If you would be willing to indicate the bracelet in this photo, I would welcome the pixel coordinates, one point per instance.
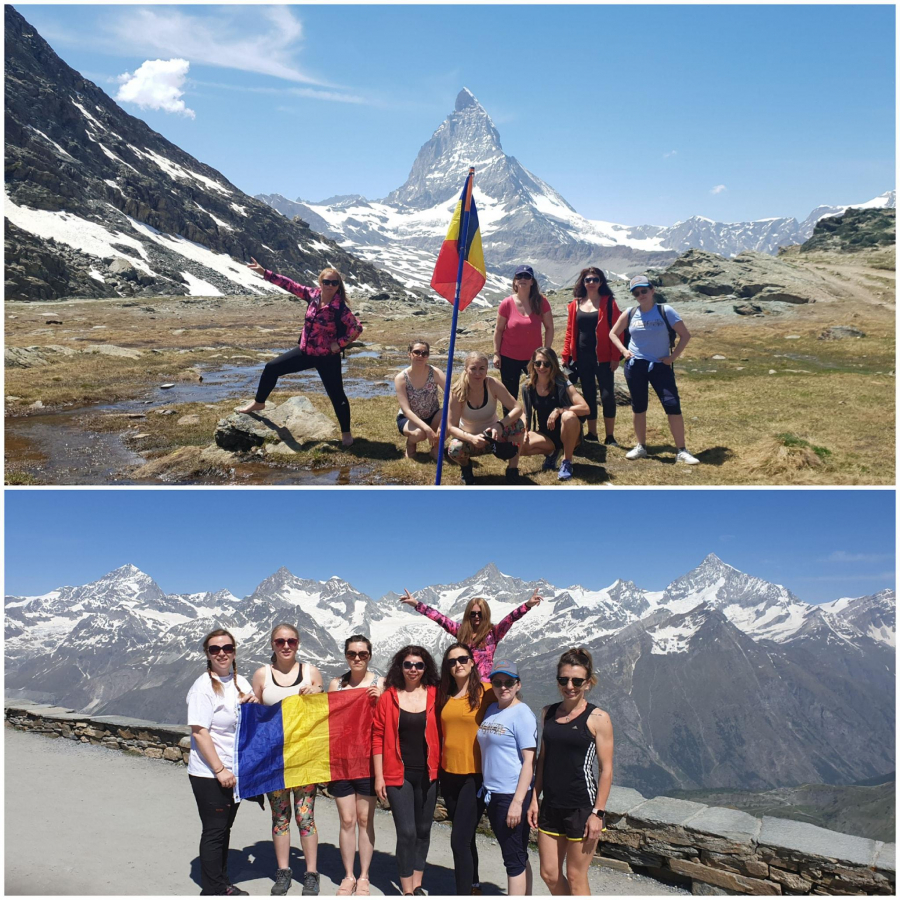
(219, 772)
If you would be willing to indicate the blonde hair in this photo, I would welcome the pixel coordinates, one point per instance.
(275, 631)
(475, 637)
(342, 290)
(460, 390)
(216, 684)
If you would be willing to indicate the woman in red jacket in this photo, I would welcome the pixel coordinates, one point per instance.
(406, 753)
(592, 314)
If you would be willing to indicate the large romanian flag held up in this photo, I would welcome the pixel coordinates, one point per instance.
(447, 266)
(302, 740)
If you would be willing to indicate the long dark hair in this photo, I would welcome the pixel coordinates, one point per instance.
(216, 684)
(448, 683)
(555, 372)
(580, 290)
(534, 297)
(394, 677)
(355, 639)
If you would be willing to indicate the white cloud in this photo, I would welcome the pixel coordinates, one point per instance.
(312, 93)
(670, 153)
(156, 84)
(844, 557)
(719, 189)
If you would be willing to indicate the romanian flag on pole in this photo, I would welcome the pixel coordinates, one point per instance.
(447, 266)
(306, 739)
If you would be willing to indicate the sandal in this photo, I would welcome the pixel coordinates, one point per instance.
(343, 891)
(362, 887)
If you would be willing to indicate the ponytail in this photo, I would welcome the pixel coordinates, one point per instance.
(579, 656)
(216, 684)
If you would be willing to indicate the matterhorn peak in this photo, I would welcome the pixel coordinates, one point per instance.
(464, 99)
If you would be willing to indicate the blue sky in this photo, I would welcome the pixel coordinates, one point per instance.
(635, 114)
(820, 544)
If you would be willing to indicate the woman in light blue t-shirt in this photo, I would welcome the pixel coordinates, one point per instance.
(508, 739)
(649, 358)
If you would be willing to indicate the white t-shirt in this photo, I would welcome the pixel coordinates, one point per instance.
(218, 714)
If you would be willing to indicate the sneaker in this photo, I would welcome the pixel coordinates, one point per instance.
(468, 475)
(420, 892)
(590, 436)
(639, 452)
(550, 462)
(283, 878)
(512, 477)
(685, 457)
(310, 884)
(565, 470)
(611, 441)
(234, 891)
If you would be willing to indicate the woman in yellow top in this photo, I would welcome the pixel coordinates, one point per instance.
(462, 701)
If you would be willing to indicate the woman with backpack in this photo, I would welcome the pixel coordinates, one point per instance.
(328, 328)
(649, 356)
(592, 313)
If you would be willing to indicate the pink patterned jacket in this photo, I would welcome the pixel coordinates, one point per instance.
(320, 328)
(484, 655)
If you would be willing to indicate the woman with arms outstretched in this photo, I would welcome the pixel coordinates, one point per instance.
(328, 328)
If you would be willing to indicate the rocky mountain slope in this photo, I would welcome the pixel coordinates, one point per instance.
(722, 680)
(521, 216)
(99, 205)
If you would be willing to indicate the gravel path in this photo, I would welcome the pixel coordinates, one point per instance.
(83, 820)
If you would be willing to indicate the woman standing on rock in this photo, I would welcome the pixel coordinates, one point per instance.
(419, 389)
(508, 738)
(462, 700)
(475, 630)
(592, 314)
(292, 678)
(473, 424)
(406, 751)
(212, 714)
(518, 331)
(329, 326)
(355, 799)
(552, 407)
(650, 354)
(575, 735)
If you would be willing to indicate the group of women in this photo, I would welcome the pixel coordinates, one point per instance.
(549, 418)
(462, 729)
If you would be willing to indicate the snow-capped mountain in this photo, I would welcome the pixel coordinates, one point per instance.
(722, 679)
(522, 218)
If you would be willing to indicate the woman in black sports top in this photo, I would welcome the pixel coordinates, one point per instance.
(570, 819)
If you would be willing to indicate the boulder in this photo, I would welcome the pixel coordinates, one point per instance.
(113, 350)
(294, 423)
(839, 332)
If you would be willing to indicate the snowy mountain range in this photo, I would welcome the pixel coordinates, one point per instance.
(720, 680)
(523, 219)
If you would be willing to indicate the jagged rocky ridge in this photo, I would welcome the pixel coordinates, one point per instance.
(722, 680)
(522, 217)
(99, 205)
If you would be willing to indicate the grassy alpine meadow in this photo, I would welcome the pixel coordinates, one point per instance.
(766, 401)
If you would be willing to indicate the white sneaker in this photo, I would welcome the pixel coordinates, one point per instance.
(639, 452)
(685, 457)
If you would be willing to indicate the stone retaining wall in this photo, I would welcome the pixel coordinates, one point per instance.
(709, 849)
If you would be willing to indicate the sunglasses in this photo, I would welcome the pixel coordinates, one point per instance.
(331, 282)
(576, 682)
(358, 654)
(592, 280)
(286, 642)
(420, 352)
(459, 660)
(214, 650)
(475, 615)
(542, 364)
(420, 666)
(523, 278)
(497, 684)
(639, 292)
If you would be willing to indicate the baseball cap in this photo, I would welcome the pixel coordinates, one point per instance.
(639, 281)
(505, 667)
(525, 270)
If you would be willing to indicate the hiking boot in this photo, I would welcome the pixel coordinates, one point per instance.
(550, 462)
(283, 878)
(590, 436)
(468, 476)
(310, 884)
(685, 457)
(611, 441)
(639, 452)
(234, 891)
(512, 477)
(565, 470)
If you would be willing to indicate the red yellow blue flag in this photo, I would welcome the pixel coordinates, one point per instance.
(447, 267)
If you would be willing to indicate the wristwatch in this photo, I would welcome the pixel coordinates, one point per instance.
(599, 813)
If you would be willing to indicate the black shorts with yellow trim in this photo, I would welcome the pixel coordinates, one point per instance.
(559, 822)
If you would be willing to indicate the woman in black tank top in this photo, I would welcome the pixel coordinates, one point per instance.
(576, 735)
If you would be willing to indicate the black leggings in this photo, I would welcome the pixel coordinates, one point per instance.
(297, 360)
(510, 374)
(412, 806)
(465, 809)
(590, 372)
(217, 811)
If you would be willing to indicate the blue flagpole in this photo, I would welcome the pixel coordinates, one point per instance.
(459, 271)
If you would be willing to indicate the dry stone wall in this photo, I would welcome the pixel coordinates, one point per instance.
(712, 850)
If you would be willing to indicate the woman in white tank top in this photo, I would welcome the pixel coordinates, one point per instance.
(287, 677)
